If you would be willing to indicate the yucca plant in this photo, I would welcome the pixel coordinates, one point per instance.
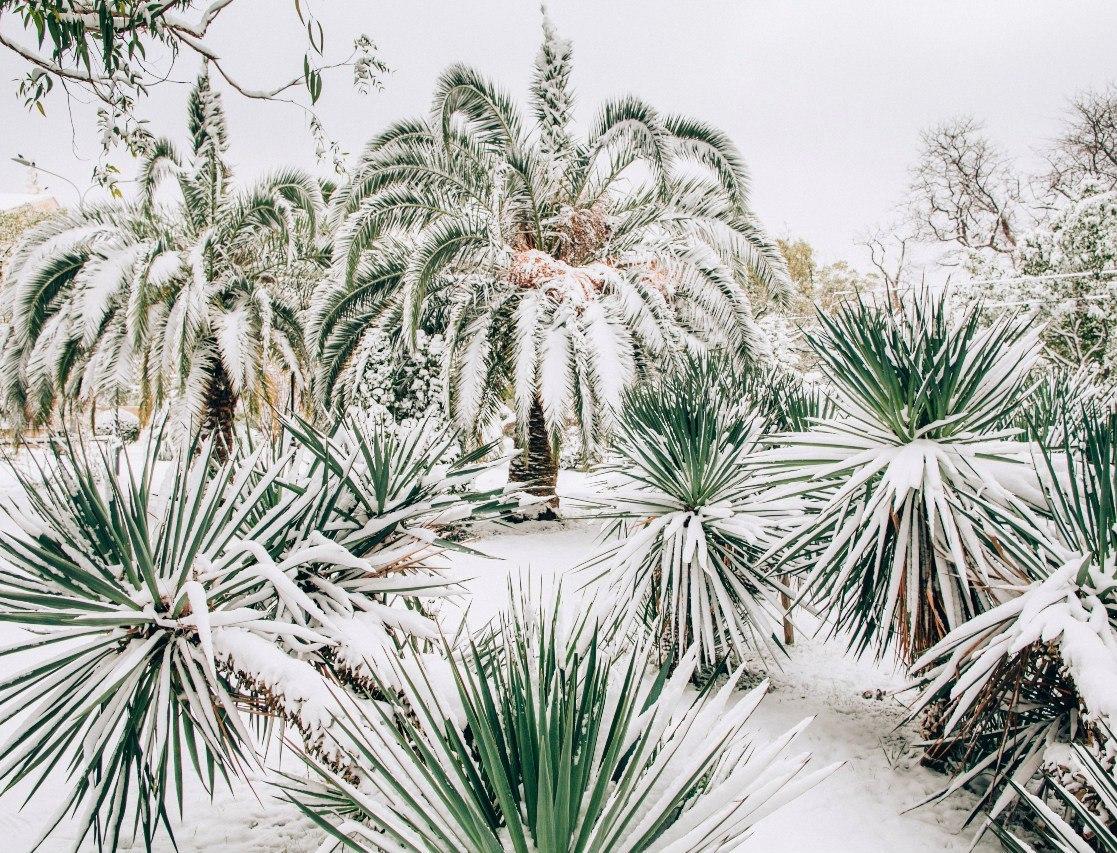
(556, 267)
(905, 466)
(552, 743)
(693, 514)
(228, 597)
(366, 510)
(1078, 817)
(1055, 392)
(142, 608)
(195, 301)
(783, 399)
(1041, 667)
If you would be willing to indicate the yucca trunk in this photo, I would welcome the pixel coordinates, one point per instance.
(537, 464)
(219, 409)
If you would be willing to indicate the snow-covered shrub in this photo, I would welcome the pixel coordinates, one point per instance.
(1039, 669)
(375, 507)
(784, 399)
(141, 603)
(387, 380)
(1055, 391)
(693, 514)
(555, 742)
(907, 466)
(784, 347)
(1073, 292)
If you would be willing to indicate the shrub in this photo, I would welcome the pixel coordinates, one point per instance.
(694, 514)
(908, 468)
(551, 743)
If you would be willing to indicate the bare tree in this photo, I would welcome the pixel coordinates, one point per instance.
(888, 253)
(964, 191)
(1087, 150)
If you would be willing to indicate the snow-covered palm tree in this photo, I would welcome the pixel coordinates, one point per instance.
(558, 267)
(189, 299)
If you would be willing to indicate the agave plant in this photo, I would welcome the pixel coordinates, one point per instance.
(554, 744)
(694, 514)
(142, 610)
(555, 267)
(196, 301)
(908, 467)
(1040, 668)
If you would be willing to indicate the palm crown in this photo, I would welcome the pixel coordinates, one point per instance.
(190, 299)
(557, 267)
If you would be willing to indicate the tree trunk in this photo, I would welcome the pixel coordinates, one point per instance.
(219, 410)
(537, 464)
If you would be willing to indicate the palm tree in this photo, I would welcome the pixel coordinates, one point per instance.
(192, 300)
(559, 269)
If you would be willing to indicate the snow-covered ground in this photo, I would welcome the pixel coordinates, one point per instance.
(865, 806)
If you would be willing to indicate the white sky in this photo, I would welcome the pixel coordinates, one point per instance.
(825, 98)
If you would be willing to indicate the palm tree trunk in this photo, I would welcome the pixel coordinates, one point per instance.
(537, 465)
(219, 411)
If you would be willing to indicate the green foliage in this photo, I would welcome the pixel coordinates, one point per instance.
(121, 589)
(543, 740)
(907, 466)
(694, 515)
(114, 50)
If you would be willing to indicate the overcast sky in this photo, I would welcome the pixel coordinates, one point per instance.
(826, 99)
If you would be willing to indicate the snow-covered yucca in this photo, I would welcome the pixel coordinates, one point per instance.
(1055, 392)
(142, 608)
(556, 267)
(375, 503)
(544, 740)
(908, 465)
(693, 514)
(1039, 669)
(194, 301)
(1076, 818)
(171, 615)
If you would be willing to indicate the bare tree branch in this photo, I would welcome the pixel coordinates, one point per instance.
(1087, 150)
(963, 190)
(102, 47)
